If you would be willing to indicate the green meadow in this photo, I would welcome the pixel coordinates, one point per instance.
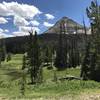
(11, 76)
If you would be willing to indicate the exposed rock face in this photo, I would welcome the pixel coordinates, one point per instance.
(70, 27)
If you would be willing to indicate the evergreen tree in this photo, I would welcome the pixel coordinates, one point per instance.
(93, 13)
(86, 63)
(3, 50)
(60, 60)
(55, 76)
(53, 54)
(47, 55)
(92, 66)
(24, 62)
(34, 58)
(8, 57)
(23, 80)
(40, 74)
(86, 60)
(77, 52)
(72, 55)
(0, 61)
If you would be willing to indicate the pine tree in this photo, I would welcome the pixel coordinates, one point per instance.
(3, 50)
(72, 55)
(23, 80)
(86, 63)
(8, 57)
(77, 53)
(55, 76)
(59, 52)
(47, 55)
(92, 66)
(24, 62)
(34, 58)
(93, 13)
(61, 60)
(0, 61)
(86, 59)
(40, 74)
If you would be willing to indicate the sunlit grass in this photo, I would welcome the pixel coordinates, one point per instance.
(10, 79)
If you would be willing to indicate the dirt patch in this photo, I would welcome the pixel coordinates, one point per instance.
(3, 98)
(65, 97)
(90, 97)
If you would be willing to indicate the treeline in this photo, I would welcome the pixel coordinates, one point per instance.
(19, 44)
(73, 43)
(52, 46)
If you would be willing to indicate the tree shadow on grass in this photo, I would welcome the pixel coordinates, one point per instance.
(12, 73)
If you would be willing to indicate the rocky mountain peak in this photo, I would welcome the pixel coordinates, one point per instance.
(70, 26)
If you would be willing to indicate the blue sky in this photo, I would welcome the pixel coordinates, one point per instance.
(17, 17)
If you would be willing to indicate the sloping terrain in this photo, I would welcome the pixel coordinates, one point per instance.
(70, 26)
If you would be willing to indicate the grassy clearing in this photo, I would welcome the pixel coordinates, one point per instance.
(10, 77)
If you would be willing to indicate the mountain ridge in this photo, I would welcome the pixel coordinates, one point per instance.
(70, 26)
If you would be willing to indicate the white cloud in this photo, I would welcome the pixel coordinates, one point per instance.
(35, 23)
(3, 30)
(3, 33)
(8, 18)
(19, 21)
(47, 24)
(3, 20)
(22, 16)
(6, 30)
(20, 33)
(4, 11)
(23, 30)
(13, 8)
(27, 29)
(36, 29)
(49, 16)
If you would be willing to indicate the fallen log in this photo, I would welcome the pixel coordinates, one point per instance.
(69, 78)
